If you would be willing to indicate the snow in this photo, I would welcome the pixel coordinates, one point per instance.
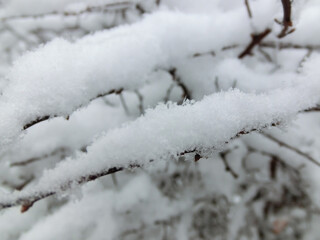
(60, 64)
(161, 133)
(20, 7)
(59, 85)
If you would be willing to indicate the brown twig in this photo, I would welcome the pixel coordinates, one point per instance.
(265, 54)
(286, 20)
(211, 53)
(44, 118)
(20, 186)
(175, 78)
(255, 40)
(314, 109)
(268, 44)
(36, 121)
(223, 156)
(140, 9)
(289, 45)
(27, 201)
(292, 148)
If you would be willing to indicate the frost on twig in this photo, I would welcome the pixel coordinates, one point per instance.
(78, 79)
(106, 155)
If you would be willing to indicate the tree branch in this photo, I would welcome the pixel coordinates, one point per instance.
(27, 201)
(44, 118)
(228, 168)
(292, 148)
(286, 21)
(246, 2)
(255, 40)
(289, 45)
(89, 9)
(314, 109)
(175, 78)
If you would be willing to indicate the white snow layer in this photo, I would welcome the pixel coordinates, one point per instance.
(169, 130)
(61, 76)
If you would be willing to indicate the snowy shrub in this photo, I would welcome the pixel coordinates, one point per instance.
(159, 119)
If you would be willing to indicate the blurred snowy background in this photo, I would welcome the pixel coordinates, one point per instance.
(96, 91)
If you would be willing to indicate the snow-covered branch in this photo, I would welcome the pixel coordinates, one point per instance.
(74, 73)
(170, 131)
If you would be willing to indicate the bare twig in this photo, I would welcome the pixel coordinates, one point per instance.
(89, 9)
(124, 104)
(36, 121)
(44, 118)
(168, 93)
(305, 57)
(255, 40)
(140, 9)
(20, 186)
(292, 148)
(212, 53)
(216, 84)
(175, 78)
(27, 201)
(223, 156)
(61, 151)
(269, 44)
(114, 180)
(246, 2)
(140, 98)
(314, 109)
(288, 46)
(286, 21)
(265, 54)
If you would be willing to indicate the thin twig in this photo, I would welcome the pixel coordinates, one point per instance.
(265, 54)
(44, 118)
(62, 151)
(175, 78)
(289, 45)
(29, 200)
(216, 84)
(305, 57)
(286, 20)
(89, 9)
(314, 109)
(124, 104)
(292, 148)
(140, 98)
(36, 121)
(114, 180)
(246, 2)
(268, 44)
(255, 40)
(223, 156)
